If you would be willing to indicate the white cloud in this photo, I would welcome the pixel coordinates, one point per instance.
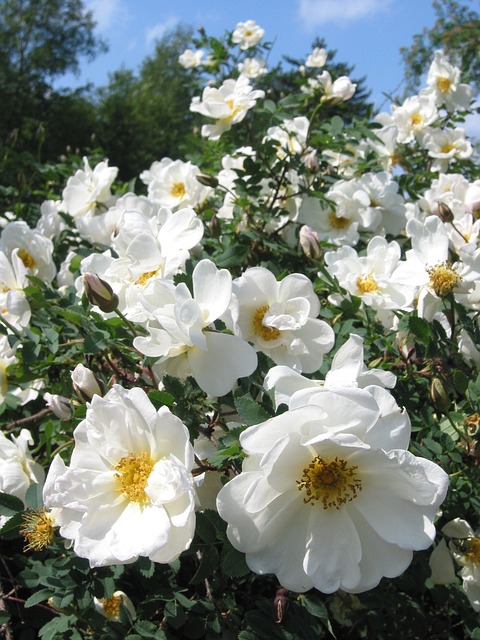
(316, 12)
(107, 13)
(159, 30)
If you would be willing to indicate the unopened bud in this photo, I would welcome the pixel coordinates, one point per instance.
(100, 293)
(280, 604)
(439, 396)
(207, 180)
(311, 161)
(444, 212)
(61, 406)
(86, 384)
(309, 242)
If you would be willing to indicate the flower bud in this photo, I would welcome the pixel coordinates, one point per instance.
(207, 180)
(86, 384)
(439, 396)
(99, 292)
(444, 212)
(60, 406)
(309, 242)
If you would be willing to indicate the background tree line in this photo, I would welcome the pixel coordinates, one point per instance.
(142, 116)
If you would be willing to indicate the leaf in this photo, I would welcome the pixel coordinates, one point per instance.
(39, 596)
(10, 505)
(250, 411)
(208, 564)
(234, 565)
(34, 496)
(460, 380)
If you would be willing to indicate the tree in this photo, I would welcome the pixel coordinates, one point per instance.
(457, 31)
(39, 41)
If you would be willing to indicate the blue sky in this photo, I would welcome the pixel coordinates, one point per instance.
(366, 33)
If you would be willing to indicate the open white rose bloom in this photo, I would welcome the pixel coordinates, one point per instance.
(128, 491)
(328, 496)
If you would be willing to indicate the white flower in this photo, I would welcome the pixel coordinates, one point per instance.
(59, 405)
(291, 135)
(110, 607)
(85, 383)
(317, 58)
(411, 117)
(340, 90)
(89, 189)
(444, 84)
(465, 547)
(247, 34)
(347, 370)
(50, 223)
(14, 306)
(17, 468)
(445, 145)
(128, 491)
(371, 277)
(173, 183)
(33, 249)
(327, 500)
(280, 318)
(183, 337)
(227, 105)
(190, 59)
(253, 67)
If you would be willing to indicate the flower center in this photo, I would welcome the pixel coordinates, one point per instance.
(37, 529)
(333, 483)
(266, 333)
(366, 284)
(416, 119)
(26, 258)
(443, 84)
(473, 550)
(443, 278)
(178, 190)
(337, 222)
(132, 473)
(111, 606)
(446, 148)
(145, 277)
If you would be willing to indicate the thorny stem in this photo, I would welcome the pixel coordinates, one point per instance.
(27, 419)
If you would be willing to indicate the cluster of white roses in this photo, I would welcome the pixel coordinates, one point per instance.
(329, 495)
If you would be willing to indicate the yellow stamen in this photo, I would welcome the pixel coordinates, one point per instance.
(473, 550)
(337, 222)
(111, 606)
(443, 279)
(266, 333)
(416, 119)
(444, 84)
(446, 148)
(333, 483)
(145, 277)
(366, 284)
(26, 258)
(178, 190)
(37, 529)
(132, 473)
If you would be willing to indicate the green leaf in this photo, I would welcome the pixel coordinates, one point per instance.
(10, 505)
(34, 496)
(208, 564)
(38, 596)
(234, 565)
(460, 380)
(250, 412)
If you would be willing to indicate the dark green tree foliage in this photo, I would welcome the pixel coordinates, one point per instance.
(39, 41)
(457, 31)
(145, 116)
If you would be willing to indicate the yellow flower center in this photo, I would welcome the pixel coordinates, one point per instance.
(443, 279)
(473, 550)
(178, 190)
(443, 84)
(446, 148)
(366, 284)
(416, 119)
(132, 473)
(266, 333)
(337, 222)
(233, 111)
(37, 530)
(333, 483)
(111, 606)
(145, 277)
(26, 258)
